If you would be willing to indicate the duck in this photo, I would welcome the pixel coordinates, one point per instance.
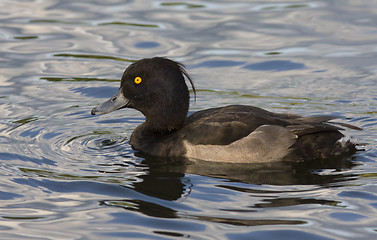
(234, 134)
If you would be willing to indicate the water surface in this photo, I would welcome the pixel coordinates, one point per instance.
(68, 175)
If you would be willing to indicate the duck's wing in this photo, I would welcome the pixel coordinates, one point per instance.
(307, 125)
(222, 126)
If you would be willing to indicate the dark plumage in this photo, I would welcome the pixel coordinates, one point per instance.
(156, 87)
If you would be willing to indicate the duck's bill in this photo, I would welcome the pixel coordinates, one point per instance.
(116, 102)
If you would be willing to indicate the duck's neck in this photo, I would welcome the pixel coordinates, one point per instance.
(163, 123)
(164, 116)
(152, 131)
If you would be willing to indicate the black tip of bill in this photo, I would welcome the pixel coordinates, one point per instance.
(93, 112)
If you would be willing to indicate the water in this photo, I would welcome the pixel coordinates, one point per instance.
(68, 175)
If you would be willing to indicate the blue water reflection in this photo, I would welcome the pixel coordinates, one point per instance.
(276, 65)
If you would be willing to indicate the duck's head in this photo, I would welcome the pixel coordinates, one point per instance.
(157, 88)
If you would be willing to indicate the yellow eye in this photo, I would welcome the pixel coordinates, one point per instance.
(137, 80)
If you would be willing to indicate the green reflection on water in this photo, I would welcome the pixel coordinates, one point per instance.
(96, 133)
(297, 6)
(26, 37)
(121, 179)
(251, 222)
(188, 5)
(54, 21)
(371, 112)
(240, 94)
(21, 218)
(122, 203)
(25, 120)
(230, 93)
(286, 6)
(50, 174)
(273, 53)
(129, 24)
(368, 175)
(93, 57)
(78, 79)
(286, 202)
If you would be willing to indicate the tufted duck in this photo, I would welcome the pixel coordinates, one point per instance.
(156, 87)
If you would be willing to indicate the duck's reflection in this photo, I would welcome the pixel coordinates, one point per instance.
(170, 181)
(167, 185)
(314, 172)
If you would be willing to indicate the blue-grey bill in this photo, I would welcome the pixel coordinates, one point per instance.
(116, 102)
